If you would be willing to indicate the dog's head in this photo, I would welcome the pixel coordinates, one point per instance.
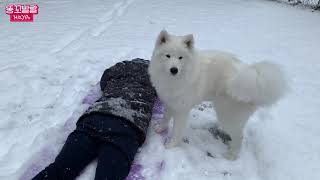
(173, 54)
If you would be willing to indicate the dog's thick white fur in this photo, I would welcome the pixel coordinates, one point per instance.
(184, 77)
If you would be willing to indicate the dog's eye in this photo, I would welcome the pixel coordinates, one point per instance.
(168, 55)
(180, 57)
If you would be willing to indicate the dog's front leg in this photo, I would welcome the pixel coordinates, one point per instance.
(179, 126)
(163, 124)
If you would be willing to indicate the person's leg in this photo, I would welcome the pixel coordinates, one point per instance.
(77, 152)
(112, 164)
(118, 150)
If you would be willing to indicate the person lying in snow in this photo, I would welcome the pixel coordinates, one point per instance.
(112, 129)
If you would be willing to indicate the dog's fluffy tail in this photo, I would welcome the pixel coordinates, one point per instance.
(262, 84)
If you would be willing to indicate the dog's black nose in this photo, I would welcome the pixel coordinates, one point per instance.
(174, 70)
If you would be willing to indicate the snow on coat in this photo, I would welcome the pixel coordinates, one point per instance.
(126, 92)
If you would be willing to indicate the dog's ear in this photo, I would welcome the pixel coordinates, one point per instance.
(189, 41)
(162, 38)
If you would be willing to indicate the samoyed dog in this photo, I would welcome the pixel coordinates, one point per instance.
(184, 77)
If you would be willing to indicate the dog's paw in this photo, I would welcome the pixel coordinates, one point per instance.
(170, 143)
(160, 127)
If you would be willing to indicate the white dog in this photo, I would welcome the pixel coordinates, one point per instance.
(184, 77)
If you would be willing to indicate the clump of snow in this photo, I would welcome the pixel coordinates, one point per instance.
(123, 109)
(119, 107)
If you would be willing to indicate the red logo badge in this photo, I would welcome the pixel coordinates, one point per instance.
(21, 13)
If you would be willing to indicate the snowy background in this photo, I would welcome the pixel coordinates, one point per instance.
(47, 68)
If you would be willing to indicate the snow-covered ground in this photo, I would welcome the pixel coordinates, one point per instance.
(47, 67)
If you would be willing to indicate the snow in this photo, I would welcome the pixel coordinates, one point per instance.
(119, 107)
(311, 3)
(47, 67)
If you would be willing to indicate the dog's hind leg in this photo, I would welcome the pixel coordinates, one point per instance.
(233, 116)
